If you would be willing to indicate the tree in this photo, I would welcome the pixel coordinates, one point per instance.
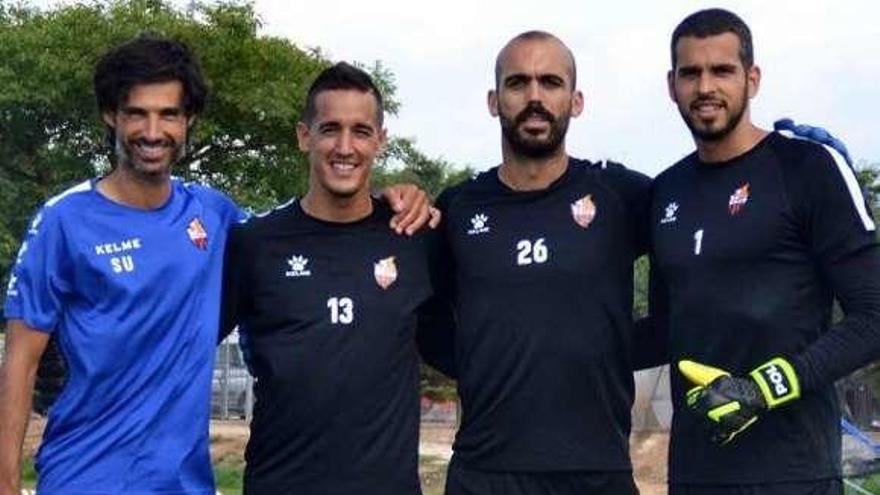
(431, 174)
(50, 135)
(868, 175)
(244, 144)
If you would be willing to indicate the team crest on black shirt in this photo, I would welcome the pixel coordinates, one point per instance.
(738, 199)
(197, 234)
(385, 271)
(584, 211)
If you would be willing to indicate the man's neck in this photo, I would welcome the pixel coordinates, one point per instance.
(532, 174)
(337, 209)
(737, 143)
(127, 188)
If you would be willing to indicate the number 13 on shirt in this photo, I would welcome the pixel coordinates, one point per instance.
(341, 310)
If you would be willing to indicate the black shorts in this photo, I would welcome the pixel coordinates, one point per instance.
(820, 487)
(465, 481)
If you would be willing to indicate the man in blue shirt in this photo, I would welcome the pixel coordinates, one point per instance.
(124, 270)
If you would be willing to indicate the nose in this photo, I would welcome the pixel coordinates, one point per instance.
(344, 143)
(534, 92)
(706, 84)
(153, 131)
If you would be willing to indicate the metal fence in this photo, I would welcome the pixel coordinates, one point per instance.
(232, 394)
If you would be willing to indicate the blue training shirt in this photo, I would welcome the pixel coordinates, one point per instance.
(133, 297)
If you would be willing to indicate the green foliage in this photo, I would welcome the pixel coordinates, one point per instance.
(868, 175)
(244, 144)
(431, 174)
(50, 134)
(640, 284)
(870, 485)
(28, 472)
(229, 477)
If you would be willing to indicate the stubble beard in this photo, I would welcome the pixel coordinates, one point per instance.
(527, 146)
(713, 136)
(125, 158)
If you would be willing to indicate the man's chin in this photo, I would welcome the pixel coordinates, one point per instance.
(345, 193)
(710, 134)
(152, 172)
(535, 148)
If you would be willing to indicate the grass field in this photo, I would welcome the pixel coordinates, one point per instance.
(432, 470)
(865, 486)
(228, 473)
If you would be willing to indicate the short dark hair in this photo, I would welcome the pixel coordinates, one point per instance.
(148, 59)
(342, 75)
(712, 22)
(535, 35)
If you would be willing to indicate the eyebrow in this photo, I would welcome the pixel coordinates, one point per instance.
(546, 77)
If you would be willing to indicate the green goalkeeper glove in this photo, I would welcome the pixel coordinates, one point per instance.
(731, 404)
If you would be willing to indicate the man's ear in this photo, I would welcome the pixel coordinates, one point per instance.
(670, 84)
(302, 136)
(577, 103)
(383, 140)
(492, 102)
(109, 118)
(754, 77)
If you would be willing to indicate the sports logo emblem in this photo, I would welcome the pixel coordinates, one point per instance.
(197, 234)
(298, 266)
(738, 199)
(584, 211)
(669, 214)
(385, 271)
(479, 224)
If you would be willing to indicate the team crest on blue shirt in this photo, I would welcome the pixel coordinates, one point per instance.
(584, 211)
(738, 199)
(197, 234)
(385, 271)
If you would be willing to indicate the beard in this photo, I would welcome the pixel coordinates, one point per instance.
(127, 156)
(707, 134)
(529, 146)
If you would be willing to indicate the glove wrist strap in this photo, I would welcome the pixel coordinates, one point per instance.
(777, 381)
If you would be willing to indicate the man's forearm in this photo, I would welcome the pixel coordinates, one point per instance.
(24, 346)
(16, 386)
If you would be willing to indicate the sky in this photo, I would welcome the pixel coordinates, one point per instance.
(820, 63)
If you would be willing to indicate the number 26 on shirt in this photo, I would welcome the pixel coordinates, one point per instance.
(529, 252)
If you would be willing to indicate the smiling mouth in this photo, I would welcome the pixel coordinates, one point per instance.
(342, 167)
(150, 151)
(707, 107)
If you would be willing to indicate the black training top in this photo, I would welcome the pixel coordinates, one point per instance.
(543, 301)
(328, 314)
(751, 252)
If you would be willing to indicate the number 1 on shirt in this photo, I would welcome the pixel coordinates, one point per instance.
(698, 242)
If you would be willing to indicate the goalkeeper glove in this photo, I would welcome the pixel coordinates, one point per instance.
(731, 404)
(814, 133)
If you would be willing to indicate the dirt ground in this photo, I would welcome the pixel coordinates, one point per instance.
(229, 437)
